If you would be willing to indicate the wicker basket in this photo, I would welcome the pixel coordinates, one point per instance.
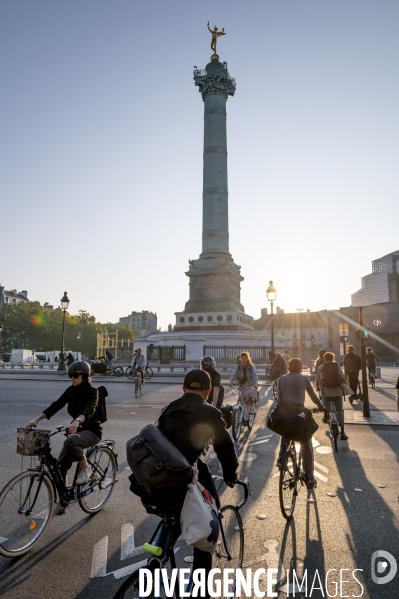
(30, 442)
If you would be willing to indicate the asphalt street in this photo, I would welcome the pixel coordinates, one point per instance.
(352, 514)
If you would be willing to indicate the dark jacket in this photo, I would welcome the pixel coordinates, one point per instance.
(82, 399)
(352, 362)
(189, 422)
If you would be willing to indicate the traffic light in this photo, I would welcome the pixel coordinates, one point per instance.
(362, 334)
(344, 339)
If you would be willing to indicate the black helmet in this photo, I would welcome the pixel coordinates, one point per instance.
(79, 368)
(208, 362)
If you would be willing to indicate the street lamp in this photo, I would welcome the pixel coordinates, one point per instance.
(1, 328)
(271, 293)
(64, 307)
(78, 338)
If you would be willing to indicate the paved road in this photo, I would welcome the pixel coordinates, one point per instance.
(335, 532)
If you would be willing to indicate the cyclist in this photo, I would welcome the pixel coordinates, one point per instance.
(189, 422)
(279, 366)
(292, 388)
(247, 376)
(110, 359)
(85, 429)
(286, 356)
(330, 381)
(139, 362)
(371, 361)
(216, 395)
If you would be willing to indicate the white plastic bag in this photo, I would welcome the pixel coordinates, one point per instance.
(199, 517)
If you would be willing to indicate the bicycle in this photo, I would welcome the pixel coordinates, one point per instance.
(28, 500)
(333, 423)
(372, 377)
(291, 473)
(229, 551)
(273, 376)
(146, 372)
(238, 411)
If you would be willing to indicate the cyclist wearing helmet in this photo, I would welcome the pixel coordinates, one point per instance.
(216, 395)
(85, 429)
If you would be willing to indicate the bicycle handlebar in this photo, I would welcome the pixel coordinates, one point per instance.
(244, 483)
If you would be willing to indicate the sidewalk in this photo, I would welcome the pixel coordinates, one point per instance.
(382, 401)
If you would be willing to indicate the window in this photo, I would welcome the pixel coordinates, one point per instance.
(200, 318)
(220, 318)
(191, 319)
(229, 318)
(209, 318)
(181, 319)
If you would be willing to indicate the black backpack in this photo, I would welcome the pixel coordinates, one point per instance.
(101, 411)
(159, 467)
(330, 374)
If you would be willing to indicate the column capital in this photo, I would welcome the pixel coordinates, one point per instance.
(214, 80)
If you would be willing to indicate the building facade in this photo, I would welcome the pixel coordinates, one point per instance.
(12, 297)
(381, 285)
(144, 322)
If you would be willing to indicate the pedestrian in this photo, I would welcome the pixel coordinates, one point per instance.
(286, 356)
(352, 365)
(110, 360)
(292, 388)
(216, 395)
(331, 382)
(320, 359)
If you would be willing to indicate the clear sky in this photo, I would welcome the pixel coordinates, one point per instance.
(101, 132)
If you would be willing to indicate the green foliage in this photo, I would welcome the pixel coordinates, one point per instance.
(29, 325)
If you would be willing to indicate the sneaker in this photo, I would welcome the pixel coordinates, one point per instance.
(344, 437)
(311, 485)
(325, 419)
(83, 476)
(278, 463)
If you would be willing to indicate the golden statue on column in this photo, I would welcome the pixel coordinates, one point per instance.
(215, 35)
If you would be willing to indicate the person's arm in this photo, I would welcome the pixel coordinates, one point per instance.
(215, 396)
(91, 404)
(132, 362)
(55, 407)
(318, 379)
(312, 394)
(255, 375)
(144, 361)
(234, 375)
(224, 448)
(36, 421)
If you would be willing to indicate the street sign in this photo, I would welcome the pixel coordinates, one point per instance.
(343, 329)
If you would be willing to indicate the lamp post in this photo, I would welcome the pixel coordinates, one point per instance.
(64, 307)
(1, 328)
(271, 293)
(78, 338)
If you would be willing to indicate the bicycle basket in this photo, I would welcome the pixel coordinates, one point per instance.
(30, 442)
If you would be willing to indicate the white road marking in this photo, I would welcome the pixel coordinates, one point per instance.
(321, 476)
(322, 468)
(127, 541)
(99, 560)
(128, 550)
(258, 442)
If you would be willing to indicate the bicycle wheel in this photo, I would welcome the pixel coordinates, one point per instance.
(275, 389)
(130, 588)
(148, 373)
(237, 422)
(252, 417)
(130, 372)
(229, 551)
(334, 432)
(100, 486)
(288, 483)
(61, 370)
(26, 504)
(118, 371)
